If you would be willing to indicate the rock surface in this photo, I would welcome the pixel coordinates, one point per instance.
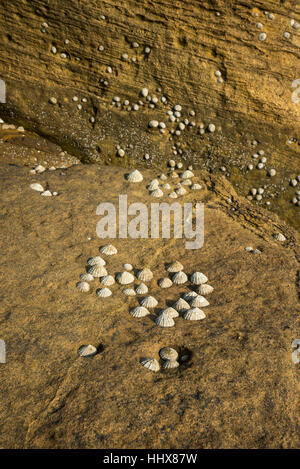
(238, 386)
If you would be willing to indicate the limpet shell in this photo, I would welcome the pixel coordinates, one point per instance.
(97, 270)
(189, 295)
(149, 302)
(180, 191)
(145, 275)
(86, 277)
(179, 278)
(37, 187)
(83, 286)
(169, 364)
(134, 176)
(107, 280)
(165, 282)
(173, 195)
(199, 302)
(96, 261)
(186, 182)
(181, 305)
(141, 289)
(175, 267)
(150, 363)
(164, 320)
(157, 193)
(170, 312)
(197, 278)
(139, 312)
(196, 187)
(194, 314)
(104, 292)
(124, 278)
(109, 250)
(154, 184)
(205, 289)
(128, 267)
(187, 174)
(168, 353)
(129, 292)
(87, 350)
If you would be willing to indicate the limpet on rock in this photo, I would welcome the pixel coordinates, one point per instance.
(151, 364)
(139, 312)
(169, 364)
(104, 292)
(97, 270)
(187, 174)
(196, 187)
(129, 292)
(173, 195)
(165, 282)
(145, 275)
(107, 280)
(181, 305)
(197, 278)
(157, 193)
(170, 312)
(83, 286)
(194, 314)
(87, 277)
(189, 295)
(154, 184)
(165, 320)
(128, 267)
(37, 187)
(87, 350)
(134, 176)
(175, 266)
(205, 289)
(149, 302)
(96, 261)
(109, 250)
(199, 302)
(179, 278)
(124, 278)
(141, 289)
(168, 353)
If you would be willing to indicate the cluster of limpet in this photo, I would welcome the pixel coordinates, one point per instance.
(169, 358)
(176, 188)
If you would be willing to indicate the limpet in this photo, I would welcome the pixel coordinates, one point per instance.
(87, 350)
(124, 278)
(197, 278)
(128, 267)
(170, 312)
(139, 312)
(107, 280)
(149, 302)
(173, 195)
(175, 266)
(180, 191)
(96, 261)
(194, 314)
(205, 289)
(154, 184)
(168, 353)
(145, 275)
(150, 363)
(129, 292)
(196, 187)
(181, 305)
(86, 277)
(199, 302)
(97, 270)
(179, 278)
(164, 320)
(37, 187)
(169, 364)
(134, 176)
(165, 282)
(157, 193)
(83, 286)
(187, 174)
(141, 289)
(104, 292)
(189, 295)
(109, 250)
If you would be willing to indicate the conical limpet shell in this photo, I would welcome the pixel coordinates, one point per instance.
(169, 364)
(196, 187)
(86, 277)
(189, 295)
(141, 289)
(166, 186)
(180, 191)
(128, 267)
(151, 363)
(163, 177)
(134, 176)
(104, 292)
(172, 312)
(187, 182)
(87, 350)
(154, 184)
(96, 261)
(157, 193)
(179, 278)
(149, 302)
(181, 305)
(197, 278)
(107, 280)
(187, 174)
(205, 289)
(129, 292)
(165, 282)
(83, 286)
(37, 187)
(124, 278)
(97, 270)
(164, 320)
(175, 267)
(145, 275)
(168, 353)
(109, 250)
(173, 195)
(139, 312)
(199, 302)
(194, 314)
